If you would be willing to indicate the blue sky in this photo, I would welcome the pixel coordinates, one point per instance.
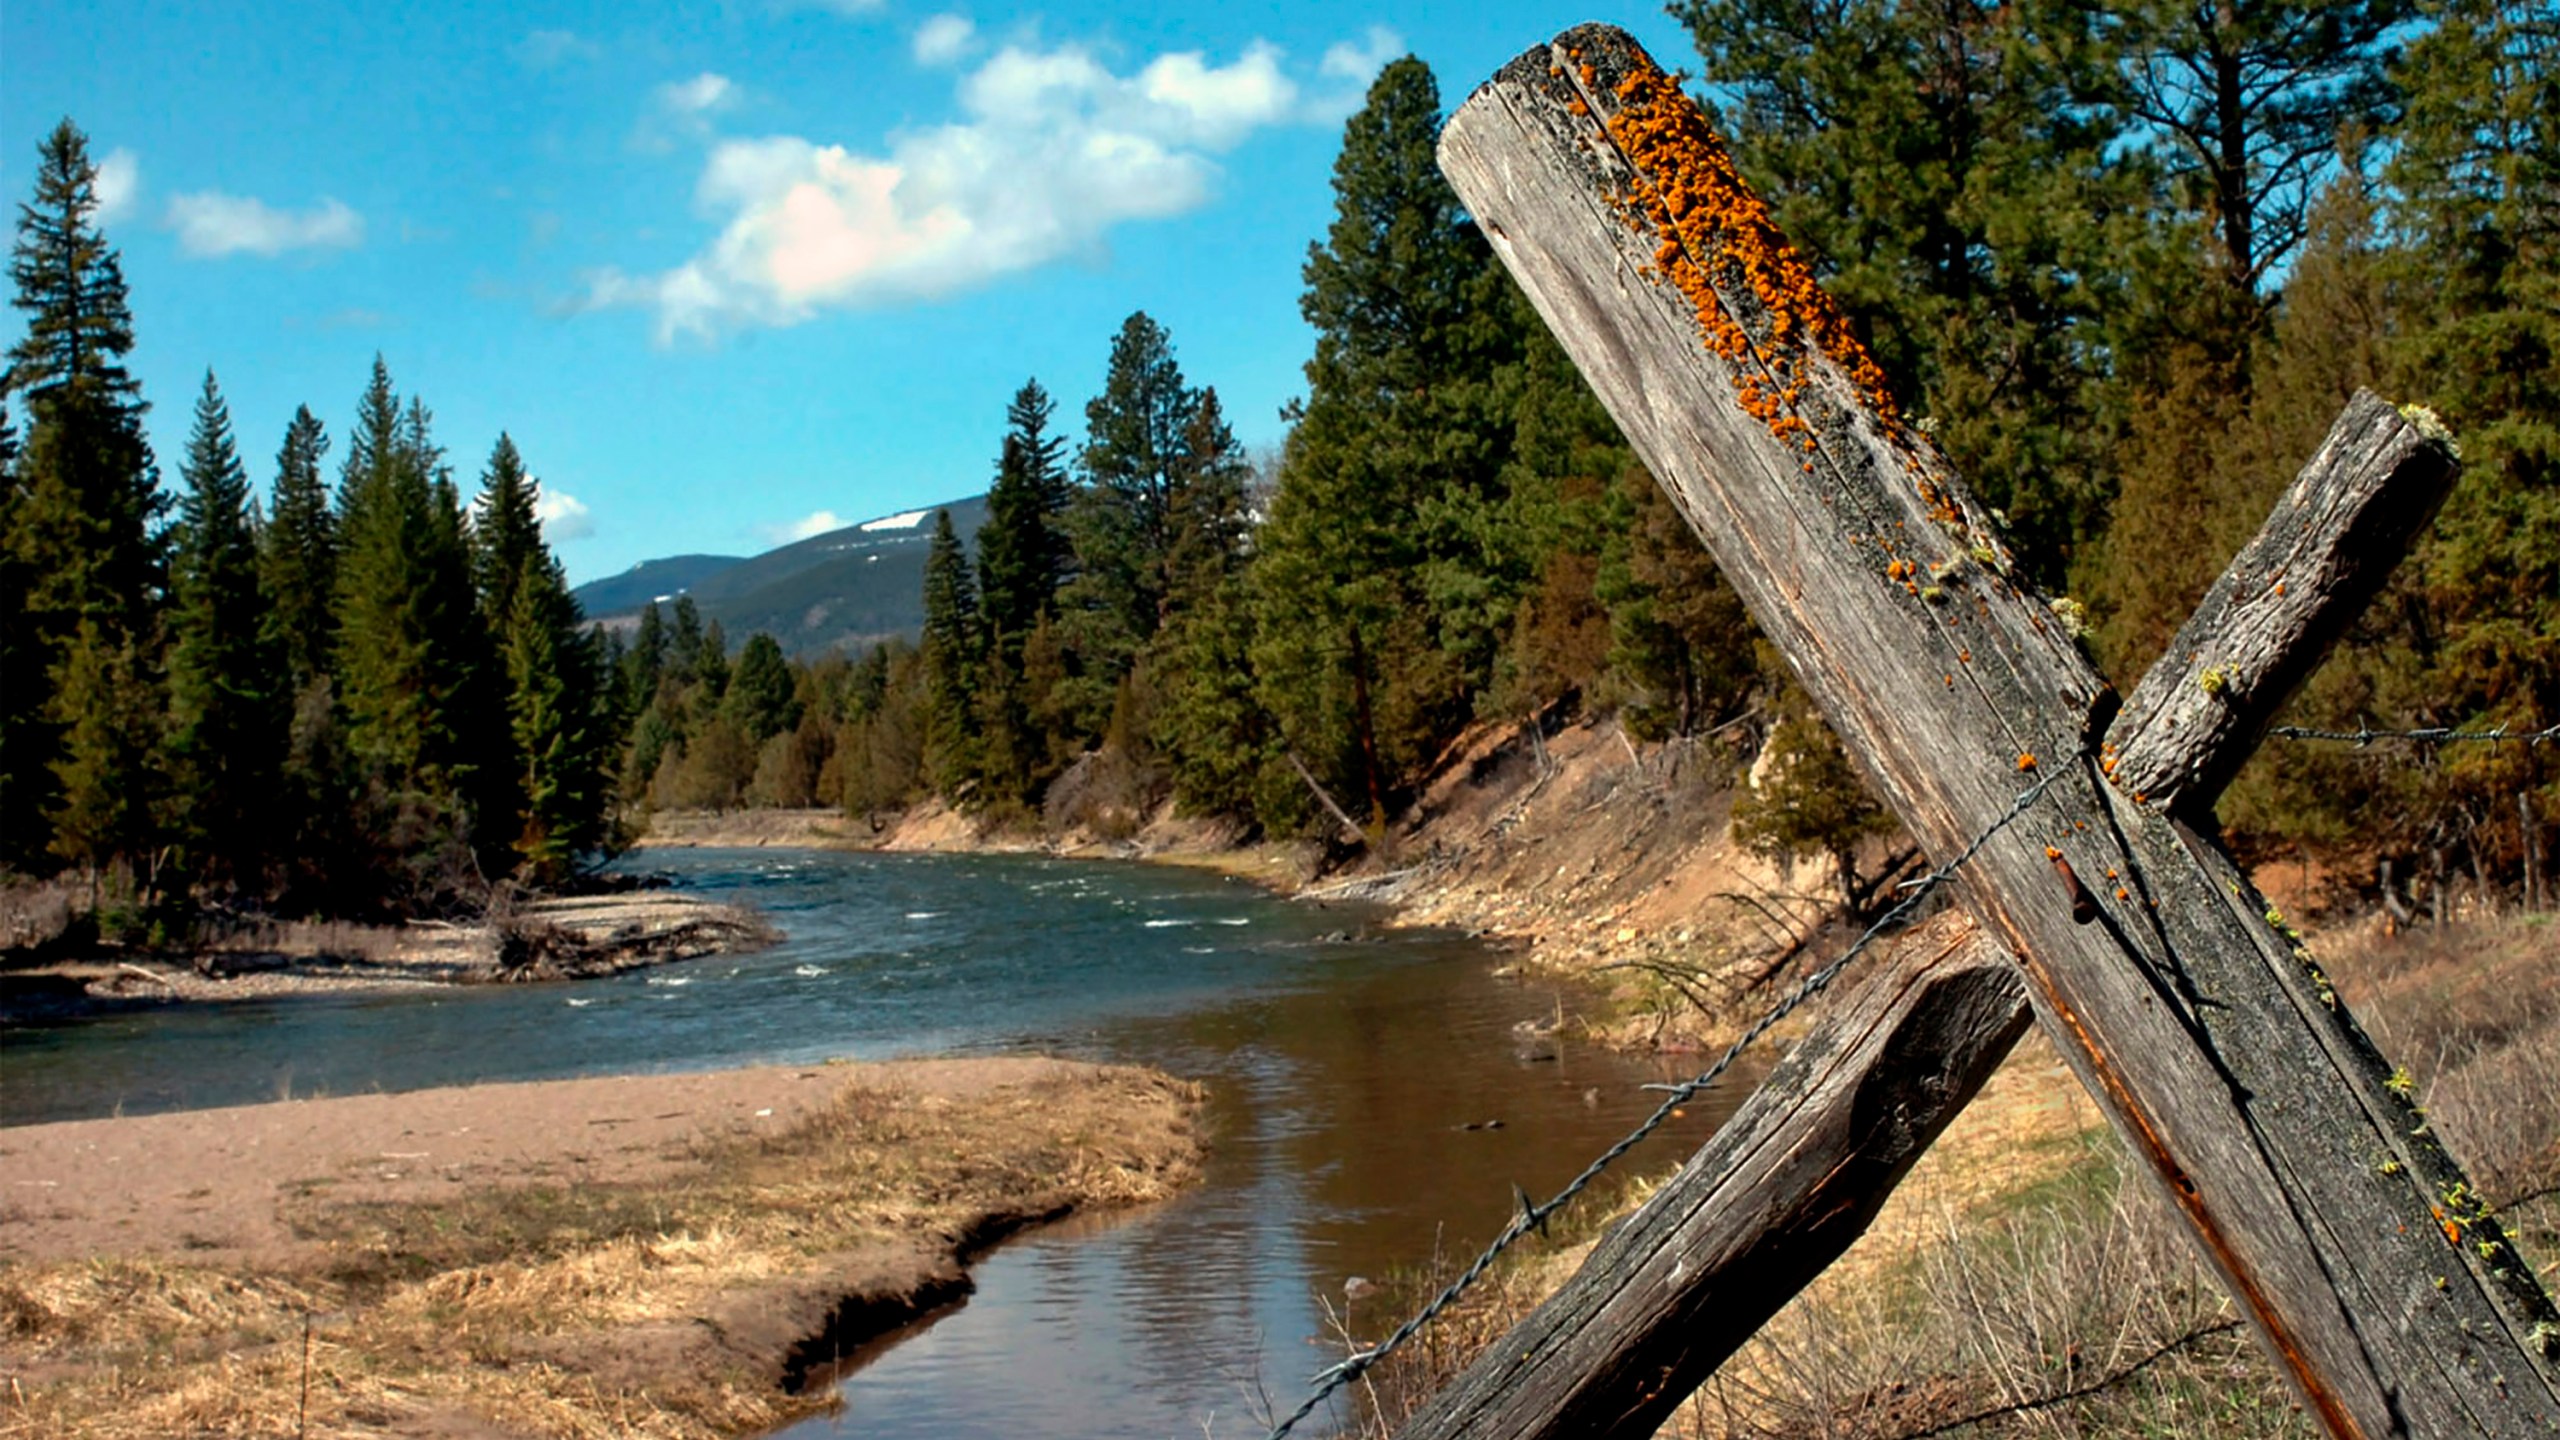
(728, 270)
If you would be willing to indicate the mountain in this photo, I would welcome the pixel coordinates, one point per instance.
(847, 589)
(650, 580)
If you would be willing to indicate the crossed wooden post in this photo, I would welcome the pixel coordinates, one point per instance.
(2350, 1240)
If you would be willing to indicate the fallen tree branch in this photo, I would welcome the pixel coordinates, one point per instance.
(1350, 827)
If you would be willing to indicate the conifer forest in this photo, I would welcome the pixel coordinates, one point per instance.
(2129, 261)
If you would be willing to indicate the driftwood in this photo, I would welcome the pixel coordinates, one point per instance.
(2220, 1055)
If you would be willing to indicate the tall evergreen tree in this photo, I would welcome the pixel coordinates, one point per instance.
(505, 531)
(1390, 466)
(85, 501)
(298, 551)
(104, 780)
(1022, 551)
(685, 639)
(950, 655)
(2475, 213)
(407, 618)
(644, 664)
(228, 702)
(1213, 736)
(763, 700)
(554, 686)
(1023, 559)
(2246, 98)
(1120, 523)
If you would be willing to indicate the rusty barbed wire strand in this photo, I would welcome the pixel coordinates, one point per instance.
(1534, 1217)
(2442, 735)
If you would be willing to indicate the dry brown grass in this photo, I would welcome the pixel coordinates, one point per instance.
(667, 1310)
(2019, 1284)
(2474, 1012)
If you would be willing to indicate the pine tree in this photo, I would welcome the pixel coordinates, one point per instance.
(1205, 519)
(2246, 99)
(1119, 523)
(1022, 551)
(505, 531)
(1391, 467)
(1680, 641)
(409, 641)
(644, 664)
(298, 559)
(103, 774)
(1023, 560)
(85, 498)
(1207, 727)
(1807, 799)
(554, 687)
(1958, 175)
(950, 658)
(685, 640)
(2472, 183)
(763, 699)
(710, 668)
(229, 707)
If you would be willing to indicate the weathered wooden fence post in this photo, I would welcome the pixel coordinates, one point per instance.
(1799, 1172)
(2217, 1050)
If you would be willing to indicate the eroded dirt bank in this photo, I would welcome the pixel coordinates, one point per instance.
(637, 1255)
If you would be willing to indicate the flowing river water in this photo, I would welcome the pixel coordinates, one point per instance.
(1374, 1100)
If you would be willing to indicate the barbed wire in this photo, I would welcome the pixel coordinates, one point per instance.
(2440, 735)
(1534, 1217)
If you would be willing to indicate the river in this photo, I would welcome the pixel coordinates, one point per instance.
(1373, 1101)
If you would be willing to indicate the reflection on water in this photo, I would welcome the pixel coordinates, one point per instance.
(1354, 1089)
(1343, 1113)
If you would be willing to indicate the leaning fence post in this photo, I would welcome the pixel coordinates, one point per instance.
(1799, 1172)
(2217, 1051)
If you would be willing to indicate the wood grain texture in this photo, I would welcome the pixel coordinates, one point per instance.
(2336, 534)
(1784, 1187)
(2217, 1053)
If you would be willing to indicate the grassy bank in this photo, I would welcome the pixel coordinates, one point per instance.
(700, 1298)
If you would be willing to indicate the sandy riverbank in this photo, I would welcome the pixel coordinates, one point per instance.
(641, 1255)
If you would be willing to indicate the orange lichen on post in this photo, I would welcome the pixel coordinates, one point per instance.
(1711, 226)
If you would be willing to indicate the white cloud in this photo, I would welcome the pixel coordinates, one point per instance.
(563, 516)
(1354, 66)
(700, 95)
(119, 181)
(210, 223)
(815, 523)
(683, 109)
(1053, 150)
(1361, 63)
(943, 39)
(549, 49)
